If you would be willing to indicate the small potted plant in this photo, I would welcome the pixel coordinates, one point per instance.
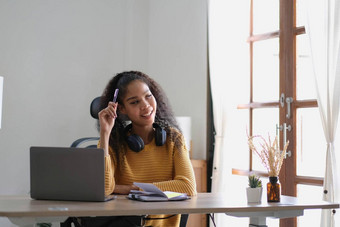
(254, 191)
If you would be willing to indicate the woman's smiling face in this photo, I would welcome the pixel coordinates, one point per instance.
(139, 104)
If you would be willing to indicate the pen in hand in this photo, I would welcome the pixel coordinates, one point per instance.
(115, 95)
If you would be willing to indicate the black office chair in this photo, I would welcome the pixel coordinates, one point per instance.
(94, 110)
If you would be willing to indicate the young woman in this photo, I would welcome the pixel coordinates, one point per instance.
(142, 141)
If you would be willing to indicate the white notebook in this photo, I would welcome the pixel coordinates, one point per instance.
(152, 193)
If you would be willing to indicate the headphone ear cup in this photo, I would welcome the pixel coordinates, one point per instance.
(135, 143)
(160, 135)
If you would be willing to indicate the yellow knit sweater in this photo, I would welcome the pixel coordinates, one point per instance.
(168, 167)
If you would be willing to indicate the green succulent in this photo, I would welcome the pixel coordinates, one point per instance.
(254, 181)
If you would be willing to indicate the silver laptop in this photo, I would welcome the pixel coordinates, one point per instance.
(64, 173)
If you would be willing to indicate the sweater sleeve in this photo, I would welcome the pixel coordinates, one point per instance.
(109, 179)
(109, 173)
(184, 177)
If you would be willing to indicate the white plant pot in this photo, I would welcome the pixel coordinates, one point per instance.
(254, 195)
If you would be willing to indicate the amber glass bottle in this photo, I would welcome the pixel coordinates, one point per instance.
(273, 190)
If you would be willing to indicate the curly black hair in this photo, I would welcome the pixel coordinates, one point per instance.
(164, 114)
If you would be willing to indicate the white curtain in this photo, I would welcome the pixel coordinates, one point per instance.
(228, 63)
(323, 30)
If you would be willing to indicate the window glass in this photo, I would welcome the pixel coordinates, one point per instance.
(266, 20)
(265, 121)
(238, 145)
(305, 87)
(266, 70)
(311, 144)
(301, 14)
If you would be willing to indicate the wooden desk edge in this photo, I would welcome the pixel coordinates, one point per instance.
(181, 207)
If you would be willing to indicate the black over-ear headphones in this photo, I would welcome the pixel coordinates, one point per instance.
(136, 143)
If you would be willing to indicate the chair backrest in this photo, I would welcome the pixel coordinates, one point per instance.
(95, 107)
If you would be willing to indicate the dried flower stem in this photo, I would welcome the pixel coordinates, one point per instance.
(269, 153)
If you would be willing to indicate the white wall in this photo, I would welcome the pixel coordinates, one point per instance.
(56, 56)
(178, 58)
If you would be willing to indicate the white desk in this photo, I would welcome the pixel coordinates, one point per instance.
(23, 211)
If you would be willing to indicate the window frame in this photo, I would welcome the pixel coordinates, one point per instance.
(287, 72)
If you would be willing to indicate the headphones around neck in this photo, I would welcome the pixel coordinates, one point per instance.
(136, 143)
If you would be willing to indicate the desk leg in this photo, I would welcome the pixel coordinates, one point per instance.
(257, 222)
(258, 218)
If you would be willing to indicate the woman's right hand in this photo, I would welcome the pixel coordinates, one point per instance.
(107, 118)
